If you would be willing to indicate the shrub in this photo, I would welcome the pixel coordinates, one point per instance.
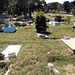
(40, 22)
(73, 11)
(50, 11)
(67, 19)
(53, 11)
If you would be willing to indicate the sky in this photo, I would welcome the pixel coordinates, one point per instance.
(60, 1)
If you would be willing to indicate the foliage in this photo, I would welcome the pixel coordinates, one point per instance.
(49, 11)
(67, 19)
(53, 11)
(13, 8)
(25, 6)
(54, 6)
(40, 22)
(67, 6)
(73, 11)
(56, 11)
(3, 5)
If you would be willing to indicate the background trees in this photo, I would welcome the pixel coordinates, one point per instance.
(27, 6)
(3, 5)
(67, 6)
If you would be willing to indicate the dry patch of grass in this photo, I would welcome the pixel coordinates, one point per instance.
(70, 69)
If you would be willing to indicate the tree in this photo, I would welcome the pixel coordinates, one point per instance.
(67, 6)
(13, 8)
(40, 22)
(19, 6)
(3, 5)
(54, 6)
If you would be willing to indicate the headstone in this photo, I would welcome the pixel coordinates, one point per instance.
(6, 23)
(58, 18)
(42, 35)
(11, 55)
(30, 22)
(66, 37)
(54, 23)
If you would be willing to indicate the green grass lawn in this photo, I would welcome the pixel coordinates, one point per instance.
(33, 56)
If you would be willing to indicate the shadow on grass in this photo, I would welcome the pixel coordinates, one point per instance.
(51, 38)
(48, 33)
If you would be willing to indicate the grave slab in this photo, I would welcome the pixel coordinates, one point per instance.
(54, 23)
(70, 43)
(42, 35)
(11, 49)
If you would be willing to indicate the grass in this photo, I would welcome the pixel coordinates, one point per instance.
(33, 56)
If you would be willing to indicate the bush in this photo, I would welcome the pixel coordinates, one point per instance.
(40, 22)
(53, 11)
(67, 19)
(73, 12)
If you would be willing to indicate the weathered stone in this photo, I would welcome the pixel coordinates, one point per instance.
(1, 56)
(6, 23)
(12, 55)
(66, 37)
(53, 69)
(42, 35)
(3, 63)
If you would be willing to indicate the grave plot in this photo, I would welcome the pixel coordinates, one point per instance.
(70, 43)
(11, 51)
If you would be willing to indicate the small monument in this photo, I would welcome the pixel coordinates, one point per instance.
(42, 36)
(66, 37)
(58, 18)
(6, 23)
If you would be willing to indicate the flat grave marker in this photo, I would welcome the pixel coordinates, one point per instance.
(44, 36)
(11, 49)
(70, 43)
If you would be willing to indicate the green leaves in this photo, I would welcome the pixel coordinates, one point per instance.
(40, 19)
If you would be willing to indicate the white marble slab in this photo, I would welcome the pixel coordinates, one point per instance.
(70, 43)
(11, 49)
(54, 23)
(42, 35)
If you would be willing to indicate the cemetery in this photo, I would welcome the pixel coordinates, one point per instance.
(39, 43)
(31, 41)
